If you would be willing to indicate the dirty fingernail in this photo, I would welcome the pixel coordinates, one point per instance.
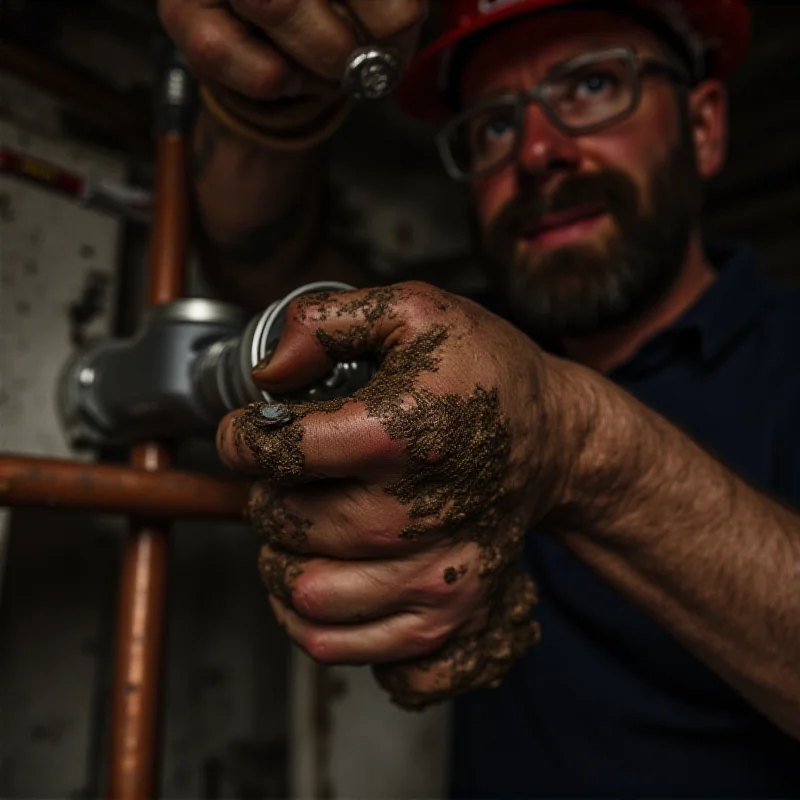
(265, 361)
(263, 364)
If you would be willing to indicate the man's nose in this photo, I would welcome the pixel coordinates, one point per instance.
(545, 150)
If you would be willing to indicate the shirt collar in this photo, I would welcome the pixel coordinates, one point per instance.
(729, 306)
(732, 303)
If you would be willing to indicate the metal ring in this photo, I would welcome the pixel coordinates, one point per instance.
(372, 73)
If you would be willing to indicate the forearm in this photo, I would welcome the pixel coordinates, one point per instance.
(709, 557)
(262, 216)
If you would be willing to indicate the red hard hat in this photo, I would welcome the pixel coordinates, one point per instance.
(722, 27)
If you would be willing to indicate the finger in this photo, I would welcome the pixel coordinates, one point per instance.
(476, 660)
(310, 31)
(478, 657)
(220, 50)
(415, 685)
(395, 638)
(389, 19)
(338, 592)
(327, 591)
(321, 329)
(341, 519)
(339, 444)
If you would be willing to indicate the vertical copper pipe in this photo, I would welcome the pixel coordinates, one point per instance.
(140, 629)
(168, 238)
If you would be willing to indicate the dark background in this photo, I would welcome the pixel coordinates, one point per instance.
(226, 687)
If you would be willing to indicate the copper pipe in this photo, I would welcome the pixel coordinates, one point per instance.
(148, 487)
(140, 630)
(168, 244)
(140, 645)
(99, 102)
(105, 488)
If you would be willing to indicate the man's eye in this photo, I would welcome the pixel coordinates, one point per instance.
(496, 128)
(595, 84)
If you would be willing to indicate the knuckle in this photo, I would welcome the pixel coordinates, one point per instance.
(303, 312)
(451, 582)
(227, 444)
(206, 47)
(267, 79)
(309, 596)
(319, 645)
(170, 13)
(385, 536)
(408, 14)
(341, 43)
(428, 638)
(222, 433)
(416, 287)
(384, 449)
(269, 13)
(437, 591)
(476, 623)
(365, 528)
(421, 299)
(239, 454)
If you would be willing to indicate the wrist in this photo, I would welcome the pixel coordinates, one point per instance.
(608, 441)
(295, 127)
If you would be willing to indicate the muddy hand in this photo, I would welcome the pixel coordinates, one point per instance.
(395, 520)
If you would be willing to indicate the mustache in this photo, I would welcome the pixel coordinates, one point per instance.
(610, 190)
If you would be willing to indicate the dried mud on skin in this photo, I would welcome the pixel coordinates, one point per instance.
(459, 473)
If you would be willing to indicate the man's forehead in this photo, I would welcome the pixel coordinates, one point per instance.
(538, 42)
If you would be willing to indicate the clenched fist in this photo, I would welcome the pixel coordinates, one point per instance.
(289, 52)
(394, 520)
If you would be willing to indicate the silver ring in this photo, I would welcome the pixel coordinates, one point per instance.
(372, 73)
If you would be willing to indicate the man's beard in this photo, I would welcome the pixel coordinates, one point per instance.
(594, 286)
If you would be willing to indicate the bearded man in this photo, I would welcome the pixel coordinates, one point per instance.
(620, 416)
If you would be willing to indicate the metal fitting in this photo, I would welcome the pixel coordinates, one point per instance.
(190, 364)
(372, 73)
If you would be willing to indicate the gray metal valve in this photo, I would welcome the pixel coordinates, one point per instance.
(189, 365)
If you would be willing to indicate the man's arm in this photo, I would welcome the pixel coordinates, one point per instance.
(263, 218)
(274, 69)
(709, 557)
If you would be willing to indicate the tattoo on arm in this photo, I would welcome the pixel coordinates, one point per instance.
(253, 246)
(211, 132)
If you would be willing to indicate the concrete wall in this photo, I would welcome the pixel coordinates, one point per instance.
(225, 707)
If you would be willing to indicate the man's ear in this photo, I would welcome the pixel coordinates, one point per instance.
(708, 114)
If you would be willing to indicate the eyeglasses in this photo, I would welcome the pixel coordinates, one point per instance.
(580, 96)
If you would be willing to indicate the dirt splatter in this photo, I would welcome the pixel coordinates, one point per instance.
(275, 451)
(451, 574)
(459, 472)
(477, 661)
(279, 570)
(270, 518)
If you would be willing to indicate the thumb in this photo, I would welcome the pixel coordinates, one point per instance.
(322, 329)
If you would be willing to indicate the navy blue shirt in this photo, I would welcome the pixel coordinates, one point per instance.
(610, 704)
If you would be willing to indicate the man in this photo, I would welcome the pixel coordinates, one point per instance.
(638, 420)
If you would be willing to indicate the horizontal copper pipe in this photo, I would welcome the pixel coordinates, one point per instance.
(51, 483)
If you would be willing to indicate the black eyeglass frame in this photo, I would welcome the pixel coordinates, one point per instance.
(638, 67)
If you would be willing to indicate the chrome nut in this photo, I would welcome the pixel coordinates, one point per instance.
(372, 73)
